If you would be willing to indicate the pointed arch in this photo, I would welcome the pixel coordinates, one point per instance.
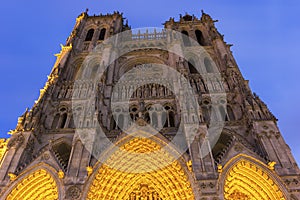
(55, 121)
(63, 120)
(89, 35)
(38, 185)
(199, 37)
(191, 64)
(77, 69)
(248, 178)
(223, 113)
(140, 165)
(113, 124)
(164, 119)
(171, 119)
(186, 38)
(102, 34)
(230, 113)
(71, 122)
(206, 113)
(130, 63)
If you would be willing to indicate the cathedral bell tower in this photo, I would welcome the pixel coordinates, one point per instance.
(152, 114)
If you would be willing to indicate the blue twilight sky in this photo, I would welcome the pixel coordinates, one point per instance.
(265, 34)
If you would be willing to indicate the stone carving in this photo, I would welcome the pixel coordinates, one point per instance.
(195, 176)
(144, 192)
(16, 141)
(73, 192)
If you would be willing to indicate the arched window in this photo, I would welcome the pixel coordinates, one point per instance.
(206, 114)
(147, 117)
(200, 38)
(89, 35)
(185, 38)
(113, 123)
(132, 117)
(223, 113)
(154, 120)
(102, 34)
(55, 121)
(134, 112)
(168, 117)
(164, 119)
(208, 65)
(192, 68)
(171, 119)
(230, 113)
(71, 123)
(121, 121)
(63, 120)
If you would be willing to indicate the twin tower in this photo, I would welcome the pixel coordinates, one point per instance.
(147, 114)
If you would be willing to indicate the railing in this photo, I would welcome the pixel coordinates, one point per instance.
(149, 35)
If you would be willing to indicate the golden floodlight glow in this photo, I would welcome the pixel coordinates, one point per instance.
(38, 185)
(126, 174)
(3, 148)
(246, 180)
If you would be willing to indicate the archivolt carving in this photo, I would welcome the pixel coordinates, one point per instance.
(126, 175)
(38, 185)
(247, 180)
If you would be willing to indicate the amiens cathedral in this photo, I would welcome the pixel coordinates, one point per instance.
(147, 114)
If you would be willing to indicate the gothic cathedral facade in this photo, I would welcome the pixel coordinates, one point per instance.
(156, 114)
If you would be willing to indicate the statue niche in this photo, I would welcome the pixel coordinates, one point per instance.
(144, 192)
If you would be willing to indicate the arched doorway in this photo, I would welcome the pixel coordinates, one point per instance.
(248, 180)
(140, 169)
(38, 185)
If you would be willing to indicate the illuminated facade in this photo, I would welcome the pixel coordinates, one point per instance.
(47, 156)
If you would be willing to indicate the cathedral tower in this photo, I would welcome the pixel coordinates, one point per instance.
(147, 114)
